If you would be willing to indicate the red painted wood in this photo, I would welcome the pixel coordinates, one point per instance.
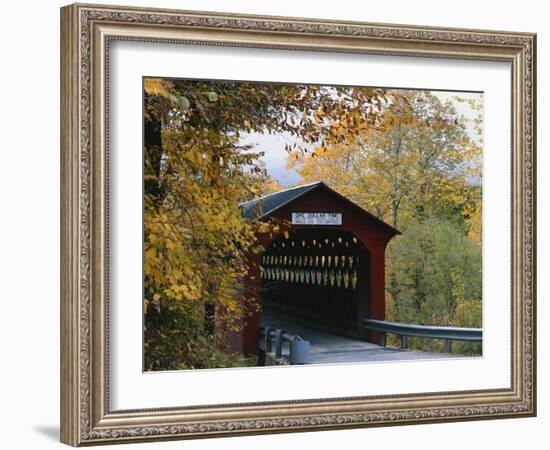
(373, 234)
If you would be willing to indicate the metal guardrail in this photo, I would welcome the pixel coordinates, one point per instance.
(298, 348)
(450, 334)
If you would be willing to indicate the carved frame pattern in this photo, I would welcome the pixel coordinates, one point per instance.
(86, 418)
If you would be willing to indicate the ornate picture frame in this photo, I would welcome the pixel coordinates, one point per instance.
(87, 31)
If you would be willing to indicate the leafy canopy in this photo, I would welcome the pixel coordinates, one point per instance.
(196, 172)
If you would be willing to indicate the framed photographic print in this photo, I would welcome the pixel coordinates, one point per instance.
(278, 224)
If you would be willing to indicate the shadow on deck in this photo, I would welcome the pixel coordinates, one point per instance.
(326, 348)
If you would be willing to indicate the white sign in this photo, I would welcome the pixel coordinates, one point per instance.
(316, 218)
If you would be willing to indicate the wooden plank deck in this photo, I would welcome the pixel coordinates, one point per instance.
(329, 349)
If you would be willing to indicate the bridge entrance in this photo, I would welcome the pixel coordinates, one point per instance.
(324, 267)
(319, 278)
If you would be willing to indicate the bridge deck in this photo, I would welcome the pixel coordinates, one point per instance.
(327, 348)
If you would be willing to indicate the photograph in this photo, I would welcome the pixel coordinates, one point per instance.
(290, 224)
(276, 223)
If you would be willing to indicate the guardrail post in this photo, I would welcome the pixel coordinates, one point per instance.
(261, 351)
(449, 346)
(404, 342)
(382, 339)
(267, 340)
(299, 352)
(278, 343)
(261, 357)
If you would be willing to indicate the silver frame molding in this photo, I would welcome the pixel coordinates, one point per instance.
(86, 31)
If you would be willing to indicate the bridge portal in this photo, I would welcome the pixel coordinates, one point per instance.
(325, 268)
(319, 278)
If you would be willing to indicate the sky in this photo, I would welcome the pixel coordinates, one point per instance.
(275, 157)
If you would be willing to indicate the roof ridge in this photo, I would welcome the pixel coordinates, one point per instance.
(268, 204)
(279, 192)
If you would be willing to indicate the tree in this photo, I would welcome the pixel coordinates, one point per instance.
(420, 162)
(420, 172)
(435, 278)
(195, 174)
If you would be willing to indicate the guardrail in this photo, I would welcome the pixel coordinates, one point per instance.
(450, 334)
(275, 337)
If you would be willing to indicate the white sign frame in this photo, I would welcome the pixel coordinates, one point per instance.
(317, 218)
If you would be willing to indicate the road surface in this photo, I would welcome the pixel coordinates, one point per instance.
(326, 348)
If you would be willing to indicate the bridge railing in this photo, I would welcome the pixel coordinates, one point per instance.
(273, 339)
(449, 334)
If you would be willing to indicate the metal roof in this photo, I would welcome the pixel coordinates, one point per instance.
(264, 206)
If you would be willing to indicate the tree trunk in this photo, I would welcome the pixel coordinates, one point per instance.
(152, 158)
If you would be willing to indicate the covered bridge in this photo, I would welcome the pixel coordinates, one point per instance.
(325, 268)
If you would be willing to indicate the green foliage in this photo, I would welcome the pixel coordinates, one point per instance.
(406, 156)
(420, 171)
(468, 315)
(178, 341)
(420, 162)
(434, 278)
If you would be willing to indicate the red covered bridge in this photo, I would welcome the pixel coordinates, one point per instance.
(324, 270)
